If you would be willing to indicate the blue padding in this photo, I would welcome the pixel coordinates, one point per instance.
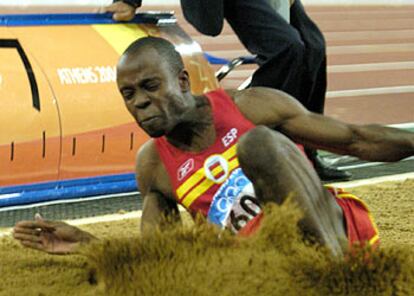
(75, 188)
(215, 60)
(68, 183)
(75, 19)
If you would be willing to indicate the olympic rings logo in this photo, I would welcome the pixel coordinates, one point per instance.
(231, 190)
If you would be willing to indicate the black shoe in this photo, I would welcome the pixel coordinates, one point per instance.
(327, 172)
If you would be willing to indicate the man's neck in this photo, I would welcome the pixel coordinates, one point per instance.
(196, 132)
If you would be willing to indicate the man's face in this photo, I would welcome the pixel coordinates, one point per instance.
(151, 92)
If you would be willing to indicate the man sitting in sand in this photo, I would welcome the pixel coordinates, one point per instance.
(227, 153)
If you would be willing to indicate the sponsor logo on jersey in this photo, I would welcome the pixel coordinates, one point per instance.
(185, 168)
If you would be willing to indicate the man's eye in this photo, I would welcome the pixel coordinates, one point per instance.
(127, 95)
(152, 86)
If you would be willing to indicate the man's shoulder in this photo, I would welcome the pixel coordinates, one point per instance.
(221, 91)
(147, 155)
(150, 170)
(262, 96)
(265, 106)
(255, 92)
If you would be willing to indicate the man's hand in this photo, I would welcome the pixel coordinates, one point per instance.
(53, 237)
(122, 11)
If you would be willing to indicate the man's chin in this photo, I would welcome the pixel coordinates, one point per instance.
(155, 134)
(152, 132)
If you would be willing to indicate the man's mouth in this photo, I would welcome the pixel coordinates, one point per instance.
(149, 120)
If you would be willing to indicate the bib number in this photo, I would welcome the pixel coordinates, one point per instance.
(244, 210)
(235, 203)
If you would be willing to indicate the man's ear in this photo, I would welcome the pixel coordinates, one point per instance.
(184, 81)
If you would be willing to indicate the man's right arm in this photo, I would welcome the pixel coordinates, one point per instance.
(159, 210)
(56, 237)
(53, 237)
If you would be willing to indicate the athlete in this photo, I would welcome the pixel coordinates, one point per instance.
(227, 153)
(291, 55)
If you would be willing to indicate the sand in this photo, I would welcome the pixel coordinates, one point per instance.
(193, 261)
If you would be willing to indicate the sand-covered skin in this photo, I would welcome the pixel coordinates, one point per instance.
(192, 261)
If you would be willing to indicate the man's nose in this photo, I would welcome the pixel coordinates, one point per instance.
(141, 102)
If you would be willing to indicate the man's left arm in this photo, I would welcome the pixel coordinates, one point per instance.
(282, 112)
(369, 142)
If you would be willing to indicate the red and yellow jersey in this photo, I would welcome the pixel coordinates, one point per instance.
(196, 177)
(212, 183)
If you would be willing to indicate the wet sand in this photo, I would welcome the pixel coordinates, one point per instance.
(192, 261)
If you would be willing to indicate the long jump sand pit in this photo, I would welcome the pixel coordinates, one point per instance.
(192, 260)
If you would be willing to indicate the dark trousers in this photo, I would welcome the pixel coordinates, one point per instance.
(291, 56)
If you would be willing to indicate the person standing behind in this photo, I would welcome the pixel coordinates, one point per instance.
(291, 56)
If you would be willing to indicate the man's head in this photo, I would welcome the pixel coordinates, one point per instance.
(154, 84)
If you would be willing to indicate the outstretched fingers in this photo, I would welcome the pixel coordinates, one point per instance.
(27, 237)
(32, 244)
(37, 224)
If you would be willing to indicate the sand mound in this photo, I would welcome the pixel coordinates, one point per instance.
(193, 261)
(197, 260)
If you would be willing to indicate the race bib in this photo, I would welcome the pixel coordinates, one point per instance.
(235, 203)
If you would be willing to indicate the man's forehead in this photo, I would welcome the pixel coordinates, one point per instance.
(133, 72)
(142, 61)
(146, 58)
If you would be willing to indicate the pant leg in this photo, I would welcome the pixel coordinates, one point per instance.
(277, 44)
(291, 56)
(314, 80)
